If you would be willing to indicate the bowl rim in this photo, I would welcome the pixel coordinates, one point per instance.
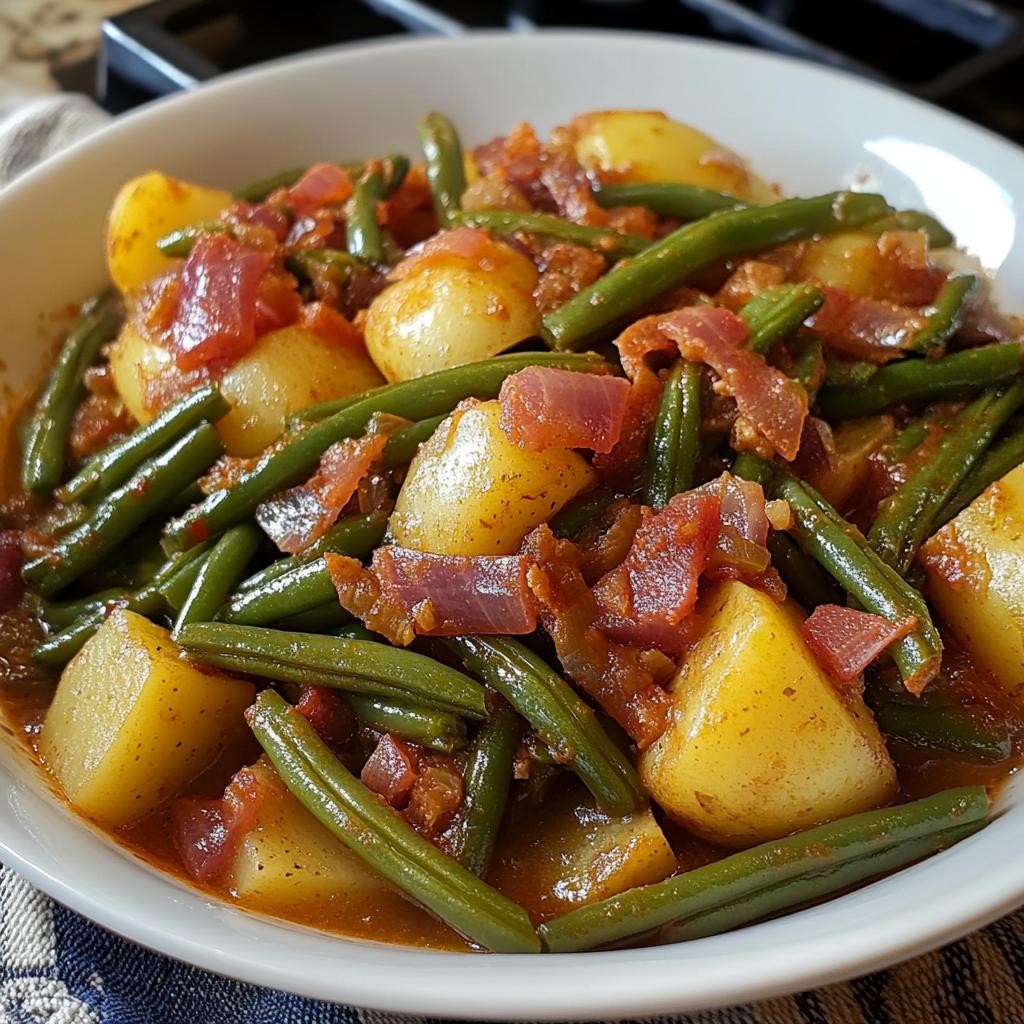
(574, 986)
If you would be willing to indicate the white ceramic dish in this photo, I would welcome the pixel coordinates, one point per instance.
(810, 129)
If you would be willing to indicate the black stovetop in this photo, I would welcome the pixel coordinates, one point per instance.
(967, 55)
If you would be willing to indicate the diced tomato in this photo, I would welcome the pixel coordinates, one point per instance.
(217, 308)
(328, 713)
(845, 641)
(327, 323)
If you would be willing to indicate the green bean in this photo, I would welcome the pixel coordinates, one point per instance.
(358, 666)
(848, 373)
(59, 614)
(355, 536)
(179, 242)
(404, 444)
(294, 460)
(939, 236)
(257, 191)
(844, 553)
(375, 834)
(46, 434)
(107, 470)
(947, 314)
(221, 570)
(668, 199)
(633, 284)
(438, 730)
(774, 876)
(749, 466)
(324, 618)
(446, 171)
(303, 588)
(175, 590)
(579, 513)
(486, 783)
(809, 368)
(304, 263)
(925, 380)
(776, 313)
(559, 716)
(994, 465)
(908, 440)
(362, 229)
(124, 510)
(356, 631)
(607, 241)
(675, 440)
(908, 517)
(943, 728)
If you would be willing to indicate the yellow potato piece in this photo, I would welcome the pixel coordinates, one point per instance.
(975, 567)
(450, 310)
(645, 145)
(289, 862)
(144, 210)
(471, 491)
(760, 743)
(132, 722)
(850, 260)
(287, 370)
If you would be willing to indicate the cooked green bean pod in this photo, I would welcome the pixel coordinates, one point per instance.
(579, 513)
(675, 440)
(946, 315)
(486, 781)
(362, 229)
(446, 171)
(439, 730)
(298, 456)
(304, 263)
(908, 517)
(999, 460)
(107, 470)
(777, 312)
(939, 236)
(359, 666)
(404, 444)
(324, 618)
(507, 222)
(924, 380)
(668, 198)
(562, 720)
(257, 191)
(774, 876)
(302, 588)
(382, 839)
(44, 447)
(631, 285)
(59, 614)
(943, 728)
(153, 485)
(179, 243)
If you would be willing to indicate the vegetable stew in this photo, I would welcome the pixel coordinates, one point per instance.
(542, 546)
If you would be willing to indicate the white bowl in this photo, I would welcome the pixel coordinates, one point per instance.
(810, 129)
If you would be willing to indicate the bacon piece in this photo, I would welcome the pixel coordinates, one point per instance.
(11, 584)
(863, 328)
(328, 713)
(774, 404)
(216, 314)
(619, 678)
(623, 466)
(327, 323)
(360, 594)
(391, 770)
(845, 641)
(543, 407)
(565, 269)
(300, 516)
(207, 832)
(260, 215)
(321, 185)
(647, 598)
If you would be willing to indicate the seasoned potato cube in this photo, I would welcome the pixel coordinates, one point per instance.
(146, 209)
(451, 310)
(471, 491)
(975, 568)
(761, 743)
(132, 722)
(849, 260)
(289, 861)
(287, 370)
(564, 853)
(645, 145)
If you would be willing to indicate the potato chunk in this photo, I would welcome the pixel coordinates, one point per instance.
(761, 744)
(146, 209)
(645, 145)
(471, 491)
(287, 370)
(975, 568)
(451, 310)
(132, 722)
(289, 861)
